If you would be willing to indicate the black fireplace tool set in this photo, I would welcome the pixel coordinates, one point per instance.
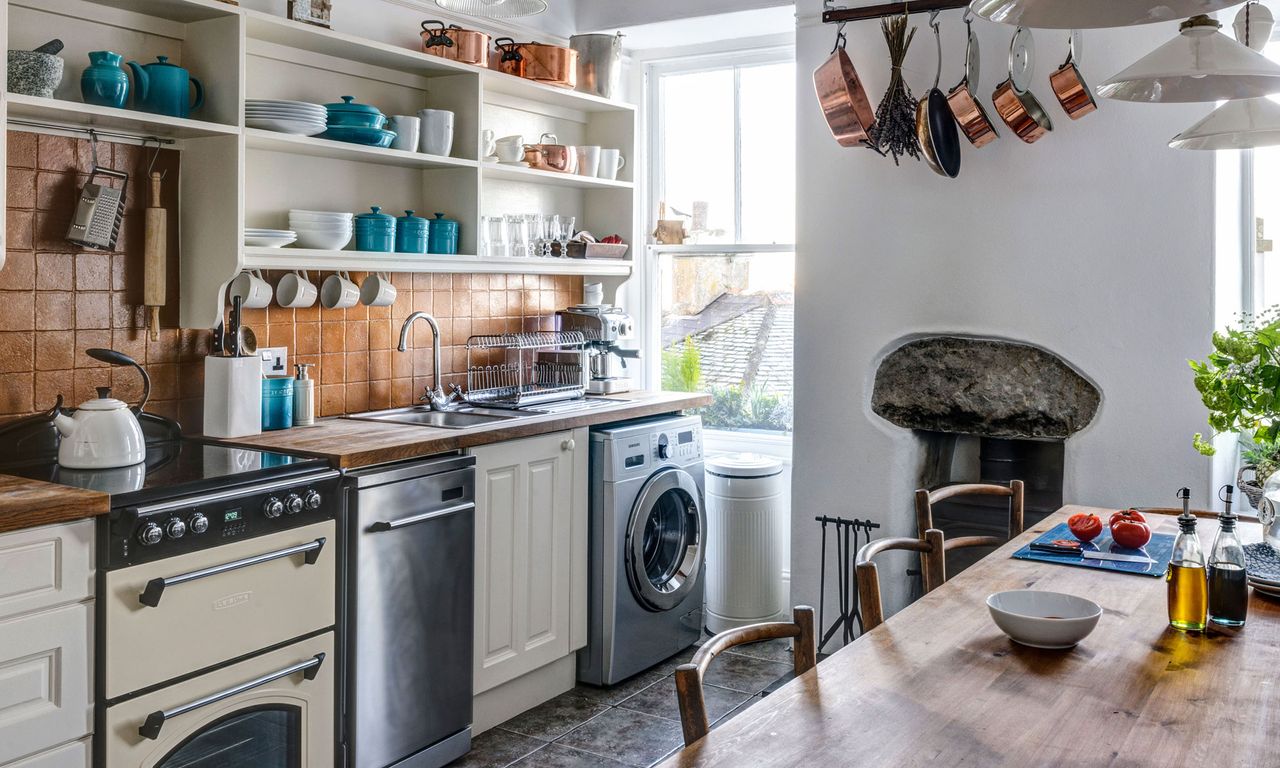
(850, 535)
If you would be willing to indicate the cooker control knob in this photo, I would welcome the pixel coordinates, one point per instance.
(198, 523)
(313, 499)
(293, 505)
(273, 507)
(175, 528)
(664, 447)
(150, 534)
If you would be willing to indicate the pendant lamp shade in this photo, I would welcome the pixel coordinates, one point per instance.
(1092, 14)
(1200, 64)
(1242, 124)
(495, 9)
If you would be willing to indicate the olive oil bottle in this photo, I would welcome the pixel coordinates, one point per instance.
(1228, 583)
(1188, 588)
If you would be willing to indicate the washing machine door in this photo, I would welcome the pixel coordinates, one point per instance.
(664, 540)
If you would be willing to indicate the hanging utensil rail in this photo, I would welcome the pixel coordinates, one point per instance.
(832, 15)
(89, 131)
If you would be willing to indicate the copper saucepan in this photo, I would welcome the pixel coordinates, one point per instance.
(455, 43)
(550, 64)
(1016, 105)
(550, 155)
(974, 123)
(1069, 85)
(843, 100)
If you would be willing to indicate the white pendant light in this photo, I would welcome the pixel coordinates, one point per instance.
(1240, 124)
(1253, 26)
(1200, 64)
(495, 9)
(1091, 14)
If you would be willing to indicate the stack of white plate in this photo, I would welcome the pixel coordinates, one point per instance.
(269, 238)
(322, 230)
(297, 117)
(1262, 563)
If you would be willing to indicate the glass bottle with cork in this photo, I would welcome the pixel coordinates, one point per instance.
(1188, 588)
(1228, 584)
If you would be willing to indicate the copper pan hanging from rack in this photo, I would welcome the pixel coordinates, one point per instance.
(844, 101)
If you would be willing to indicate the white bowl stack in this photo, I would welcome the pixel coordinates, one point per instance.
(322, 230)
(299, 118)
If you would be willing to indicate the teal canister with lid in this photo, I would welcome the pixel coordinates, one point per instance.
(375, 231)
(412, 233)
(444, 236)
(277, 403)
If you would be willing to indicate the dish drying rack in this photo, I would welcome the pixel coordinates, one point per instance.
(513, 370)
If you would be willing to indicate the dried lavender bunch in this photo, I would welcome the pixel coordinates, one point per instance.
(895, 128)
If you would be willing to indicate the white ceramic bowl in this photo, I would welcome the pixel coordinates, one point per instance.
(321, 215)
(321, 226)
(1044, 619)
(324, 241)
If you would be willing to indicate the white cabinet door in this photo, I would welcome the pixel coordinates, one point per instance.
(73, 755)
(45, 566)
(529, 493)
(44, 679)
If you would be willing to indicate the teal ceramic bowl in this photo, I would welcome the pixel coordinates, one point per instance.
(369, 137)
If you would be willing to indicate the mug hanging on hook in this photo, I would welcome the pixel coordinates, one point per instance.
(935, 124)
(974, 122)
(1069, 85)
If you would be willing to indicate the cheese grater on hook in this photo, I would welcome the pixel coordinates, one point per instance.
(99, 211)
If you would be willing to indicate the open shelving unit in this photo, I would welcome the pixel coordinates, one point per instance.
(234, 176)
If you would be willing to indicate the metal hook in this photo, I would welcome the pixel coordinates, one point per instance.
(841, 39)
(154, 156)
(937, 36)
(933, 21)
(93, 147)
(968, 15)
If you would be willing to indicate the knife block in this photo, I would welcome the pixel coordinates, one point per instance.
(232, 396)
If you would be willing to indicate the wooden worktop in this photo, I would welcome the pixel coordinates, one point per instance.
(939, 684)
(28, 503)
(348, 443)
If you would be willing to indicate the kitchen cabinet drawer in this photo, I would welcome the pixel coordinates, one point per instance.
(46, 566)
(45, 686)
(73, 755)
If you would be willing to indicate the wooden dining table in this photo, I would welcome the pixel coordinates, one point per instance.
(939, 684)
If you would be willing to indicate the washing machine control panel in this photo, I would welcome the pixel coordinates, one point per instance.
(683, 444)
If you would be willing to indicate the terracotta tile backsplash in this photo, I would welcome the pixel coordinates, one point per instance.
(57, 301)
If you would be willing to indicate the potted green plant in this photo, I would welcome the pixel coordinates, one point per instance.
(1239, 382)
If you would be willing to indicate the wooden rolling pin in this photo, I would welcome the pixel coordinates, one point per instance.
(154, 264)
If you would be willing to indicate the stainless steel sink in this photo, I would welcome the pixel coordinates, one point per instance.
(425, 417)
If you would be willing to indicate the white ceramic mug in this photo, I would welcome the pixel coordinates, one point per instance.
(407, 130)
(437, 132)
(338, 292)
(253, 290)
(509, 149)
(588, 161)
(611, 161)
(593, 294)
(488, 146)
(572, 152)
(377, 291)
(296, 291)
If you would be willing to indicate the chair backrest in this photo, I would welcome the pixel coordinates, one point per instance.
(932, 549)
(693, 708)
(1014, 491)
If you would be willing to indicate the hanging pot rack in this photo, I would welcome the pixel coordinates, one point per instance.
(833, 15)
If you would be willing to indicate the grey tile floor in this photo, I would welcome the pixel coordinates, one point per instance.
(635, 723)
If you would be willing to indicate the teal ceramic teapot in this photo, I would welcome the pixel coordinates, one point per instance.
(165, 89)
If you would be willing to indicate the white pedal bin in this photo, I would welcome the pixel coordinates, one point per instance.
(747, 506)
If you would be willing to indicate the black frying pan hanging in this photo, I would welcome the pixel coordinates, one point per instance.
(935, 124)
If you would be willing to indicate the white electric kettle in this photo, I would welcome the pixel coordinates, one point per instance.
(103, 432)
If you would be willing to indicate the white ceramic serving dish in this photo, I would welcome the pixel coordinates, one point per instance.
(283, 103)
(268, 241)
(1043, 619)
(324, 241)
(295, 127)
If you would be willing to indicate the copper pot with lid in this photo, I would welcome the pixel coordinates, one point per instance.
(974, 123)
(550, 64)
(454, 43)
(550, 155)
(1015, 104)
(1069, 85)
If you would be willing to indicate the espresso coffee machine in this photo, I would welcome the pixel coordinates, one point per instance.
(603, 325)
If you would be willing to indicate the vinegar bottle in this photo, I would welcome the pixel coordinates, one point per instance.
(1228, 582)
(1188, 591)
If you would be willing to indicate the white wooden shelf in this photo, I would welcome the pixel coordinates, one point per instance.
(75, 114)
(340, 150)
(366, 261)
(520, 173)
(510, 85)
(181, 11)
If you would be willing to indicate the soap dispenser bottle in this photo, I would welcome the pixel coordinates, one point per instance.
(304, 397)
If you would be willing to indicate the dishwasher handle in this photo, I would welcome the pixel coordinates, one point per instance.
(156, 587)
(150, 729)
(404, 522)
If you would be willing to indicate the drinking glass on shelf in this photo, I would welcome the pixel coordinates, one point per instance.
(494, 232)
(517, 235)
(537, 232)
(564, 233)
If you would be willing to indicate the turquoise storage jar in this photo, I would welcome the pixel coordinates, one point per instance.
(412, 233)
(375, 231)
(277, 403)
(443, 238)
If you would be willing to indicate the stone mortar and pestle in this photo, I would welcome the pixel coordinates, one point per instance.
(37, 72)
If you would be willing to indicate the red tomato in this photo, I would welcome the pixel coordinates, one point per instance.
(1085, 526)
(1129, 529)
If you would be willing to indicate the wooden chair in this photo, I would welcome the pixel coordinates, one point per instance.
(693, 708)
(926, 499)
(932, 548)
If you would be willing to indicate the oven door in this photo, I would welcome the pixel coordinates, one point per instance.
(271, 711)
(174, 616)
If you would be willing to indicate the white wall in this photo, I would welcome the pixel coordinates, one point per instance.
(605, 15)
(1096, 243)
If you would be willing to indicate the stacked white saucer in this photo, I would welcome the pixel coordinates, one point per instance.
(268, 238)
(322, 230)
(296, 117)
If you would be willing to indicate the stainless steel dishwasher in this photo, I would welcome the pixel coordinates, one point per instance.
(408, 613)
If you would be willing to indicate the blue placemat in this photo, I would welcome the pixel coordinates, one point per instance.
(1159, 549)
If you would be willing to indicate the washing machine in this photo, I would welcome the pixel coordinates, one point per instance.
(648, 533)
